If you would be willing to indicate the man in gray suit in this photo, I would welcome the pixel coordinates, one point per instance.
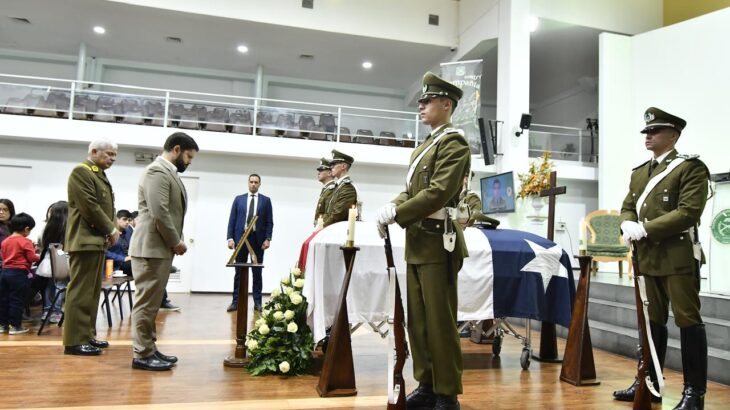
(156, 240)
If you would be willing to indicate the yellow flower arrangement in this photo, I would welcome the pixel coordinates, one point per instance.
(537, 178)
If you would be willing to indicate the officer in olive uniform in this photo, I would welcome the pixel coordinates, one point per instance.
(434, 255)
(324, 175)
(661, 212)
(90, 229)
(344, 195)
(470, 207)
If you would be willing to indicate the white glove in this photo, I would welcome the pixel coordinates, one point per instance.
(386, 214)
(632, 231)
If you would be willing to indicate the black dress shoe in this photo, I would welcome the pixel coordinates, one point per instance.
(165, 358)
(628, 394)
(232, 307)
(101, 344)
(421, 398)
(444, 402)
(151, 363)
(82, 350)
(692, 399)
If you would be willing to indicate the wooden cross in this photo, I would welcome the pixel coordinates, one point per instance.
(548, 337)
(552, 192)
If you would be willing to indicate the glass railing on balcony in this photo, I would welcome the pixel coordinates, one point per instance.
(91, 101)
(563, 143)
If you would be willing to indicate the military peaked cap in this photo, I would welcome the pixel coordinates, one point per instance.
(435, 86)
(338, 156)
(324, 163)
(656, 118)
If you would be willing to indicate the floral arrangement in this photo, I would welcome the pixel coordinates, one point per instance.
(537, 178)
(281, 341)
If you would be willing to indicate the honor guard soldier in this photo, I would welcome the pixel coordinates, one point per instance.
(435, 247)
(324, 175)
(661, 212)
(90, 229)
(344, 194)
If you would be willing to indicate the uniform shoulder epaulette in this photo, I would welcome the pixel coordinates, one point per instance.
(454, 131)
(642, 164)
(346, 181)
(92, 168)
(688, 157)
(330, 186)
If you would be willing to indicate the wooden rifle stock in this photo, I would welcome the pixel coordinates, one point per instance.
(642, 397)
(399, 334)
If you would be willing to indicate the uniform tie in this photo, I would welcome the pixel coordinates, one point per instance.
(653, 166)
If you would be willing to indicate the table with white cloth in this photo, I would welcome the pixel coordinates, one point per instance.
(508, 274)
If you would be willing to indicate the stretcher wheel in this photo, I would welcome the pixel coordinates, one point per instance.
(525, 359)
(497, 345)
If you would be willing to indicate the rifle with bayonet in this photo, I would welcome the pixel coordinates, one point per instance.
(397, 345)
(644, 388)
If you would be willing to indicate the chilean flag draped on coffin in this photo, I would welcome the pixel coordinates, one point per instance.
(529, 271)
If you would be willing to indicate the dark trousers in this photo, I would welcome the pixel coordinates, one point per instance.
(127, 269)
(14, 286)
(256, 272)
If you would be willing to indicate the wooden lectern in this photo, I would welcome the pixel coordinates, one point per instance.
(239, 358)
(579, 369)
(338, 371)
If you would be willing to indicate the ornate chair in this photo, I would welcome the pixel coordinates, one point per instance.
(605, 243)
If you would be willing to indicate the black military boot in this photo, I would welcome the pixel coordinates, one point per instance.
(694, 367)
(421, 398)
(444, 402)
(659, 336)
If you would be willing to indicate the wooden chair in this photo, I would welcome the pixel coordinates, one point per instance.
(605, 243)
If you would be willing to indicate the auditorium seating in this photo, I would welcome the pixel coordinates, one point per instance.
(102, 106)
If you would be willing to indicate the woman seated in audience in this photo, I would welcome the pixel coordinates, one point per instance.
(7, 211)
(54, 232)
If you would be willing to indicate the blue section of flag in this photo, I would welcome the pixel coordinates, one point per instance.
(522, 294)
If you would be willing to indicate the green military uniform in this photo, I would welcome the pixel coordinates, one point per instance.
(668, 198)
(435, 182)
(326, 192)
(90, 220)
(343, 196)
(471, 200)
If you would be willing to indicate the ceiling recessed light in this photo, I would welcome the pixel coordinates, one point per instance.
(367, 65)
(532, 23)
(99, 30)
(242, 49)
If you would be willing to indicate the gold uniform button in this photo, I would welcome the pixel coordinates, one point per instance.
(681, 237)
(438, 226)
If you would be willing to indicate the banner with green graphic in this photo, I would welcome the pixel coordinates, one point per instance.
(719, 258)
(466, 75)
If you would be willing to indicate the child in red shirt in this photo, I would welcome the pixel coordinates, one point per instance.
(18, 256)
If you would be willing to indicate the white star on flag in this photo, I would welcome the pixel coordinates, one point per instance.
(546, 263)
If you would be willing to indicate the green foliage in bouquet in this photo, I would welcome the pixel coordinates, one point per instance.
(281, 341)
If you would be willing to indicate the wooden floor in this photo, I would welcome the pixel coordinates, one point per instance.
(35, 374)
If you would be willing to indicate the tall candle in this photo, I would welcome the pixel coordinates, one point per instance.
(351, 217)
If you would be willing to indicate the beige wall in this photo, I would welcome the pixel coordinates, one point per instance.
(681, 10)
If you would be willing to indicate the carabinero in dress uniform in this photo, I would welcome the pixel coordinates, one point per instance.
(435, 247)
(661, 212)
(324, 176)
(89, 230)
(344, 194)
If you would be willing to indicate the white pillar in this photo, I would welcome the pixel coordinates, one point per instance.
(260, 82)
(81, 64)
(513, 84)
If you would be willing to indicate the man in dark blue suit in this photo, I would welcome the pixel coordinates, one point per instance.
(244, 208)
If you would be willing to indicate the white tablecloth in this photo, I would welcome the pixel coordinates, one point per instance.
(366, 298)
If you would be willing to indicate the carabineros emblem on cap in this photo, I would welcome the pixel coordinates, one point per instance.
(721, 227)
(649, 116)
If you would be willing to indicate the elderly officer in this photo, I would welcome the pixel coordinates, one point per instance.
(344, 195)
(89, 230)
(661, 213)
(324, 175)
(435, 247)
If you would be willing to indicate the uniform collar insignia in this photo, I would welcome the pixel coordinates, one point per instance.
(95, 168)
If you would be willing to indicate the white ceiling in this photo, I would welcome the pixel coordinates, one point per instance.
(560, 54)
(138, 34)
